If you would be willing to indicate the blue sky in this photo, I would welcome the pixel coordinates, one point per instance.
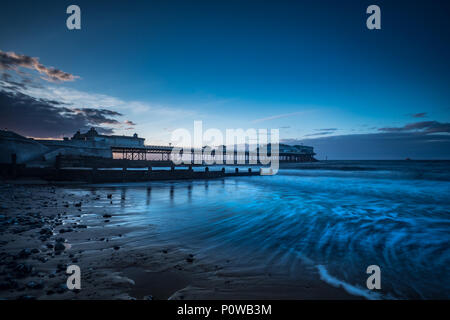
(310, 68)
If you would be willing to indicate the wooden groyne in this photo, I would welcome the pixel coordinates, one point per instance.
(103, 175)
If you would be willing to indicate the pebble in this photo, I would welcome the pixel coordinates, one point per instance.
(35, 285)
(25, 253)
(59, 247)
(26, 297)
(23, 270)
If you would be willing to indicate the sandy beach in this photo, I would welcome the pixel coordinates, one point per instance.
(45, 228)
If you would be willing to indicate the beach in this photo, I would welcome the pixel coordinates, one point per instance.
(309, 232)
(46, 228)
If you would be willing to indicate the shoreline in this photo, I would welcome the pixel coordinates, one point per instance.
(44, 228)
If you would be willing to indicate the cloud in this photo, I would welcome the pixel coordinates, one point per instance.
(278, 116)
(129, 123)
(98, 116)
(85, 99)
(424, 127)
(379, 146)
(47, 118)
(419, 115)
(14, 61)
(327, 129)
(322, 133)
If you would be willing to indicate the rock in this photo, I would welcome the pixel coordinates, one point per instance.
(61, 267)
(25, 253)
(78, 204)
(43, 259)
(107, 216)
(26, 297)
(116, 248)
(35, 285)
(62, 288)
(7, 285)
(23, 270)
(46, 231)
(43, 238)
(34, 250)
(59, 246)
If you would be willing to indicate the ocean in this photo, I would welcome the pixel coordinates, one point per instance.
(338, 217)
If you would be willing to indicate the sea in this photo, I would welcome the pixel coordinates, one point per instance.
(339, 217)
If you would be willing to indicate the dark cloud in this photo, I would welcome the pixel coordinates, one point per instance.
(380, 146)
(34, 117)
(98, 116)
(327, 129)
(14, 61)
(322, 133)
(424, 126)
(419, 115)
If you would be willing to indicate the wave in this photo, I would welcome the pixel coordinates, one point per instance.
(354, 290)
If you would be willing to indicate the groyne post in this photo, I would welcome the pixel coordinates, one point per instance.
(124, 174)
(93, 174)
(14, 165)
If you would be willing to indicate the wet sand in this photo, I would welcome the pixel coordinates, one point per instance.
(45, 228)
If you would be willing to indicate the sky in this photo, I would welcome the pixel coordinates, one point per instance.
(309, 68)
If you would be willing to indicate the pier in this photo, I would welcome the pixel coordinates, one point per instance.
(92, 157)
